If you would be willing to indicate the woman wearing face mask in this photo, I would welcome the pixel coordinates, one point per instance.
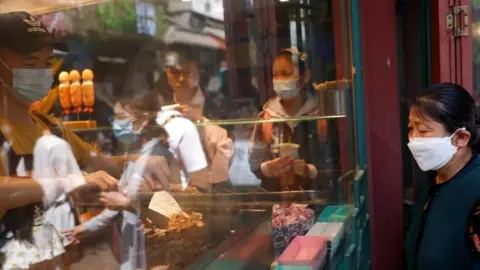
(151, 140)
(443, 138)
(291, 78)
(128, 126)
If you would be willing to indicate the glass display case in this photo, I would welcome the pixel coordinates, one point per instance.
(241, 111)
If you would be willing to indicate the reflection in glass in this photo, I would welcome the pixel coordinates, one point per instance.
(240, 110)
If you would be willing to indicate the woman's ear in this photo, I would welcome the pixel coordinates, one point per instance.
(461, 138)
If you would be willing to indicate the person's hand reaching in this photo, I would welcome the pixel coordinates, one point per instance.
(102, 180)
(76, 234)
(115, 199)
(157, 172)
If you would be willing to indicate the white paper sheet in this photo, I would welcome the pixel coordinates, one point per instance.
(164, 204)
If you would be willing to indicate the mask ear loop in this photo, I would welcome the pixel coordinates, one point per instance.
(455, 133)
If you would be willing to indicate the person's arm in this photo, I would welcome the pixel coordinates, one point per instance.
(219, 147)
(17, 192)
(259, 154)
(88, 156)
(101, 221)
(263, 165)
(193, 157)
(221, 161)
(119, 200)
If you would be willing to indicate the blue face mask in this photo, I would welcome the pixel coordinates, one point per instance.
(123, 131)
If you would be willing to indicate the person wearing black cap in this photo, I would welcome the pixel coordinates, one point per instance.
(26, 55)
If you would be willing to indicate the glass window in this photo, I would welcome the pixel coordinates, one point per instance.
(210, 132)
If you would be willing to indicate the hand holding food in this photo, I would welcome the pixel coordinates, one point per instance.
(300, 168)
(280, 166)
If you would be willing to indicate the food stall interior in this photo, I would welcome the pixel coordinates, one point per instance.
(234, 228)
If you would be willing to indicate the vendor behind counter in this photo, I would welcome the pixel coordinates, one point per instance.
(291, 82)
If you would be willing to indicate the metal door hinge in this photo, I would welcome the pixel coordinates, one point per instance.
(458, 21)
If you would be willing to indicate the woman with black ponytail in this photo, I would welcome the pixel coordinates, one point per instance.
(444, 138)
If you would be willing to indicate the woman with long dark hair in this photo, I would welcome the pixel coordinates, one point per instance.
(444, 139)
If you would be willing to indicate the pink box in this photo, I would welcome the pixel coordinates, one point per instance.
(305, 250)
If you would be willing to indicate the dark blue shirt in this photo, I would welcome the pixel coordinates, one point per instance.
(439, 237)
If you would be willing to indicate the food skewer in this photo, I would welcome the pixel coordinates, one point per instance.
(76, 92)
(88, 92)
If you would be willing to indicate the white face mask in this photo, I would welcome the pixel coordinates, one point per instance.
(33, 84)
(30, 84)
(432, 153)
(286, 89)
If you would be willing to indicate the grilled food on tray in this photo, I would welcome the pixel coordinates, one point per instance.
(177, 223)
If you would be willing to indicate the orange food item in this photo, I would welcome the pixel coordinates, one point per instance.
(88, 90)
(64, 92)
(75, 91)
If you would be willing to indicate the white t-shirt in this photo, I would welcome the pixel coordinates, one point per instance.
(53, 158)
(184, 141)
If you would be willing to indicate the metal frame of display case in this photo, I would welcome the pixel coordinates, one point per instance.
(380, 129)
(358, 254)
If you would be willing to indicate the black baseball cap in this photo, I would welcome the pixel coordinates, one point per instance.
(21, 32)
